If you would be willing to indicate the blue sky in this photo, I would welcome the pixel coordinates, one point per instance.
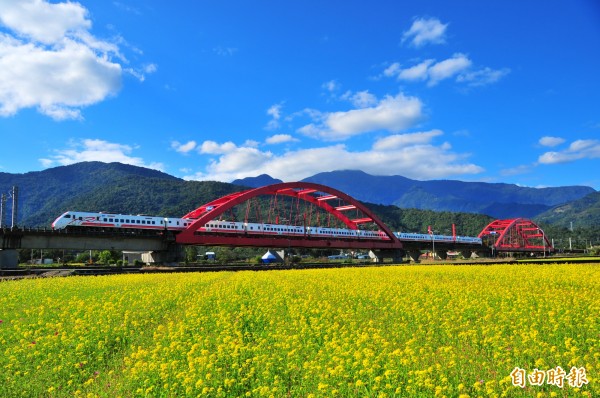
(489, 91)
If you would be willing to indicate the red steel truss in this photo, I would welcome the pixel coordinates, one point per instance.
(515, 235)
(315, 194)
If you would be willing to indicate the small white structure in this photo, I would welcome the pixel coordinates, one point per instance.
(269, 258)
(210, 256)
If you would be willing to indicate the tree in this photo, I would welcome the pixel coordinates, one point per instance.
(105, 257)
(191, 254)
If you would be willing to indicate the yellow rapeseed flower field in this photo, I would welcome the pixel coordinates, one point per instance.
(431, 331)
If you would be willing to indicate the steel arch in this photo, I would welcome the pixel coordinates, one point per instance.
(301, 190)
(515, 235)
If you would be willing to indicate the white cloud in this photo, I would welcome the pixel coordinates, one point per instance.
(417, 72)
(275, 112)
(225, 51)
(50, 61)
(43, 21)
(398, 141)
(424, 31)
(331, 86)
(390, 114)
(88, 150)
(140, 73)
(58, 83)
(213, 148)
(280, 139)
(459, 66)
(580, 149)
(448, 68)
(521, 169)
(482, 77)
(361, 99)
(551, 141)
(411, 155)
(184, 148)
(251, 143)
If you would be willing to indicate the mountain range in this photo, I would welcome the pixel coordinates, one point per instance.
(115, 187)
(496, 200)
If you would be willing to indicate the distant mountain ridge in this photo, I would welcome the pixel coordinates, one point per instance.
(498, 200)
(256, 182)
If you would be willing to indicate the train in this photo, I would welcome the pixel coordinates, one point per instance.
(87, 220)
(438, 238)
(80, 219)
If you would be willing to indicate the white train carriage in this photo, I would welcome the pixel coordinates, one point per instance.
(217, 226)
(80, 219)
(437, 238)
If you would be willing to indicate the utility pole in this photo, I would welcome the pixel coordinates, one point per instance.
(2, 210)
(15, 205)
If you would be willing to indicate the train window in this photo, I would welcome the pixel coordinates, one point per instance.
(68, 216)
(143, 221)
(110, 220)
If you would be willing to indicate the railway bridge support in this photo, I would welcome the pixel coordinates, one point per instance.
(396, 255)
(173, 254)
(9, 259)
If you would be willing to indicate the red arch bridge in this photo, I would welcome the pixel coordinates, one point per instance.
(515, 235)
(283, 216)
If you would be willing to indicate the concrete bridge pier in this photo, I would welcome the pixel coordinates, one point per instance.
(9, 259)
(442, 254)
(397, 255)
(466, 253)
(482, 253)
(174, 254)
(414, 255)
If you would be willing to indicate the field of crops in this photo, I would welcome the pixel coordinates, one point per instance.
(454, 331)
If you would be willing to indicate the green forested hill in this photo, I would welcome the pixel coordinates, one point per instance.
(138, 195)
(581, 213)
(44, 193)
(415, 220)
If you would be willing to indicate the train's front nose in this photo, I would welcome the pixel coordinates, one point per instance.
(59, 223)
